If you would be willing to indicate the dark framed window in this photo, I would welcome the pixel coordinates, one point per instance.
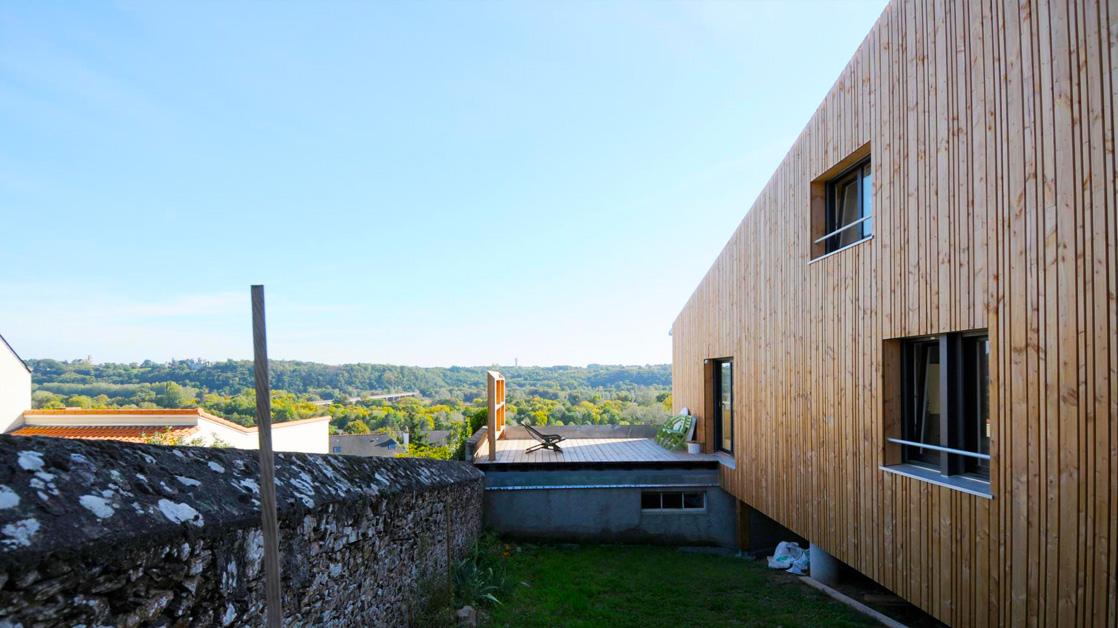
(976, 437)
(848, 216)
(724, 405)
(945, 404)
(673, 500)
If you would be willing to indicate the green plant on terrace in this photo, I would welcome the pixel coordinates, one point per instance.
(673, 433)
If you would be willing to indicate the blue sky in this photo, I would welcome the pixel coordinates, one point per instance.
(416, 183)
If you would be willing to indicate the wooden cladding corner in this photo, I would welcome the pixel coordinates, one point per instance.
(495, 391)
(704, 431)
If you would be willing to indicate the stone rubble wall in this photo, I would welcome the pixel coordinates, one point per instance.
(107, 533)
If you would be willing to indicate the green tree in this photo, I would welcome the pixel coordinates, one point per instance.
(79, 401)
(46, 400)
(173, 395)
(665, 399)
(357, 427)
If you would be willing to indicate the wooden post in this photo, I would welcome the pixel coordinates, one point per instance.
(495, 391)
(705, 435)
(491, 417)
(273, 602)
(744, 539)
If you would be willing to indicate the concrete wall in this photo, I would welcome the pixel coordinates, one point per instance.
(15, 388)
(477, 444)
(604, 505)
(107, 533)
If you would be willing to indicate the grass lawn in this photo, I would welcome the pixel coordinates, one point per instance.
(621, 585)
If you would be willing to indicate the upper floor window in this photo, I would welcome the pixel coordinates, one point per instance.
(944, 404)
(849, 209)
(841, 199)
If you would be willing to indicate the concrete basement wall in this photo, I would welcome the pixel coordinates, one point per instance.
(112, 533)
(604, 505)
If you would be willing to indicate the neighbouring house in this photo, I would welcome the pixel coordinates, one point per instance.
(188, 424)
(906, 351)
(378, 444)
(607, 484)
(610, 484)
(15, 386)
(438, 438)
(137, 425)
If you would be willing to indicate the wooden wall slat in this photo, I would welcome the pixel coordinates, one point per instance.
(991, 125)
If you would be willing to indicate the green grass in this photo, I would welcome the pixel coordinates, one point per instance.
(616, 585)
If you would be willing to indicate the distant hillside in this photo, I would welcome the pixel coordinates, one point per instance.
(328, 381)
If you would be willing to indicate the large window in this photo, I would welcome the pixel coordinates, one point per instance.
(944, 398)
(849, 208)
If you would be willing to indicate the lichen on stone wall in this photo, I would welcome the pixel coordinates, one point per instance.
(113, 533)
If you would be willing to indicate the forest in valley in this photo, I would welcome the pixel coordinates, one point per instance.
(451, 399)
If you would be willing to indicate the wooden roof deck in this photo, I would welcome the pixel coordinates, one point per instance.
(587, 450)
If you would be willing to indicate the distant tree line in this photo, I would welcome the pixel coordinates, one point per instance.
(452, 399)
(327, 381)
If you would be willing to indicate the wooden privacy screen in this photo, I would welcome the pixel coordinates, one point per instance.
(991, 128)
(495, 388)
(704, 430)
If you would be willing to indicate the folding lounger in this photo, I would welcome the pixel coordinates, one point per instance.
(545, 441)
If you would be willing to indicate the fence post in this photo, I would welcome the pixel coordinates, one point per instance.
(273, 601)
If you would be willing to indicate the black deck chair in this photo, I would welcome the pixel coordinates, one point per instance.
(546, 441)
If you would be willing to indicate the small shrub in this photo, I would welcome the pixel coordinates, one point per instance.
(434, 452)
(167, 436)
(482, 578)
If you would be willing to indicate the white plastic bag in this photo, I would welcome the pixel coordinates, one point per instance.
(801, 565)
(790, 557)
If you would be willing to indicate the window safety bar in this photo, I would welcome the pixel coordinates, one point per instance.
(959, 452)
(844, 228)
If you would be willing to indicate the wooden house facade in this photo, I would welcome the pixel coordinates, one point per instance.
(934, 262)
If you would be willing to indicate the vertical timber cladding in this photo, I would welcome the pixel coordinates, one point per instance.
(991, 127)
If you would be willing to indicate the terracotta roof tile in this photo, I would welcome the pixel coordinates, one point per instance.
(115, 411)
(127, 433)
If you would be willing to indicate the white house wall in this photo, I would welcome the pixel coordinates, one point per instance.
(208, 430)
(15, 389)
(311, 438)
